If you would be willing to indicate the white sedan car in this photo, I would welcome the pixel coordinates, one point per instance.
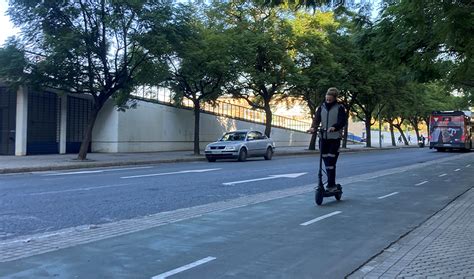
(240, 145)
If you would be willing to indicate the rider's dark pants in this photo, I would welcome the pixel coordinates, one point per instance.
(330, 153)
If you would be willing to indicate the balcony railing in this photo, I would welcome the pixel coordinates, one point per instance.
(222, 108)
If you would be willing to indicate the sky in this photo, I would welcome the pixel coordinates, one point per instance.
(6, 27)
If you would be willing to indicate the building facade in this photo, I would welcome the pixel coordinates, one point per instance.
(33, 122)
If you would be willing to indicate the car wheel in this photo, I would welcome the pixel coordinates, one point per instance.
(242, 155)
(269, 154)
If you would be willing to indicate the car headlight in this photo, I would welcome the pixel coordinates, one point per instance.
(230, 148)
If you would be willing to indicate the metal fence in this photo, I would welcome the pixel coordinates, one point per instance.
(222, 108)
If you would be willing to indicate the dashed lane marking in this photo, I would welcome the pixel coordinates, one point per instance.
(168, 173)
(320, 218)
(93, 171)
(183, 268)
(441, 175)
(389, 195)
(421, 183)
(80, 189)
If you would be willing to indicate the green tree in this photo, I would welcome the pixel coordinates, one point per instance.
(351, 76)
(263, 39)
(89, 47)
(426, 34)
(13, 61)
(375, 80)
(200, 63)
(316, 68)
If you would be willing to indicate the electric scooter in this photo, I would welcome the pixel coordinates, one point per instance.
(320, 190)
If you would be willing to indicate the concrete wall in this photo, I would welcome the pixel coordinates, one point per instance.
(154, 127)
(105, 133)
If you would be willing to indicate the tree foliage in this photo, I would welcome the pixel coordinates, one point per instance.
(85, 47)
(201, 61)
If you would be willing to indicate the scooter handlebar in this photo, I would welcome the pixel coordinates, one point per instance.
(317, 130)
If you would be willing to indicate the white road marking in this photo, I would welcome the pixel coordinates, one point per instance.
(320, 218)
(169, 173)
(467, 166)
(79, 189)
(421, 183)
(73, 173)
(133, 168)
(389, 195)
(93, 171)
(289, 175)
(457, 169)
(183, 268)
(441, 175)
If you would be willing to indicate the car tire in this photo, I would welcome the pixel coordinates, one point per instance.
(242, 155)
(269, 154)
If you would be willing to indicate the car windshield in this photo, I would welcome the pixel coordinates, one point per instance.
(239, 136)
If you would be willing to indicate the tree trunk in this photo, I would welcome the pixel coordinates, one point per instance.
(312, 143)
(417, 132)
(427, 122)
(368, 136)
(197, 115)
(415, 123)
(392, 134)
(86, 141)
(345, 135)
(268, 120)
(346, 130)
(399, 128)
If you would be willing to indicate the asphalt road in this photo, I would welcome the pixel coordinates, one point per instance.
(287, 237)
(47, 201)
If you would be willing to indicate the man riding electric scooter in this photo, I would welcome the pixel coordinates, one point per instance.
(332, 117)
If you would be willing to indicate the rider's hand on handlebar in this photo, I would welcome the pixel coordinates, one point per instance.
(332, 129)
(311, 130)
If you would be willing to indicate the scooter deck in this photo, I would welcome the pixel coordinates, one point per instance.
(332, 193)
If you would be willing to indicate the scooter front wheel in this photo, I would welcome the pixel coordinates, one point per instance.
(318, 196)
(338, 195)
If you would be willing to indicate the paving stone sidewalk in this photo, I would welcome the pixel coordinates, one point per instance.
(442, 247)
(15, 164)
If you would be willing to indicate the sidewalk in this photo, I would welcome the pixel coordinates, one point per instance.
(14, 164)
(442, 247)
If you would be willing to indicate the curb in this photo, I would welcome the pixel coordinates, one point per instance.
(84, 165)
